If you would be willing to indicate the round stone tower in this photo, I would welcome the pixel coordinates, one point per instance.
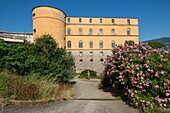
(49, 20)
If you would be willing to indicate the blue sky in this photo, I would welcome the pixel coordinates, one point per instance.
(154, 15)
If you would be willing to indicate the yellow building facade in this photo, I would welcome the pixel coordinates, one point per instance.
(88, 39)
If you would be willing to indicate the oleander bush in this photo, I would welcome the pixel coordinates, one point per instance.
(141, 73)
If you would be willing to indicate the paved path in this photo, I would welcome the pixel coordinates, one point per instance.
(88, 99)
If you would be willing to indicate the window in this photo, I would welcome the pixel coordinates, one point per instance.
(68, 20)
(33, 14)
(113, 21)
(101, 32)
(34, 30)
(90, 20)
(69, 53)
(81, 60)
(113, 44)
(68, 31)
(113, 32)
(128, 31)
(80, 31)
(80, 44)
(80, 19)
(69, 44)
(100, 20)
(101, 60)
(128, 21)
(90, 31)
(101, 44)
(91, 54)
(80, 54)
(91, 44)
(101, 53)
(91, 60)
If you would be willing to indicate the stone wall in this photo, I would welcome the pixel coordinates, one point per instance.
(87, 61)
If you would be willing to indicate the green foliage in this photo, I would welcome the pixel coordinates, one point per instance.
(43, 58)
(84, 74)
(156, 45)
(129, 42)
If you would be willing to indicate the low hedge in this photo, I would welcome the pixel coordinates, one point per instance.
(84, 74)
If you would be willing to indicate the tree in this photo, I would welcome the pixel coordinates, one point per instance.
(156, 45)
(44, 58)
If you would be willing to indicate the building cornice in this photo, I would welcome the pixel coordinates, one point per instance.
(101, 17)
(48, 17)
(102, 24)
(49, 7)
(102, 35)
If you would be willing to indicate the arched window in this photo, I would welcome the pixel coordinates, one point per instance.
(68, 31)
(113, 31)
(80, 44)
(100, 31)
(90, 31)
(128, 21)
(113, 44)
(80, 31)
(101, 44)
(91, 44)
(69, 44)
(128, 31)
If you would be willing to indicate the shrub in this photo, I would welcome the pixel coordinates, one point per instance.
(43, 58)
(141, 73)
(84, 74)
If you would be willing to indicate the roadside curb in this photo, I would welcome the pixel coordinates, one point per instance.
(36, 102)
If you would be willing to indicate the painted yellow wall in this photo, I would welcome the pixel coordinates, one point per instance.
(120, 26)
(107, 40)
(85, 20)
(119, 30)
(48, 20)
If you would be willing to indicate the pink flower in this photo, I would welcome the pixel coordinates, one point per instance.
(167, 94)
(132, 95)
(159, 100)
(157, 86)
(160, 65)
(156, 74)
(136, 104)
(162, 72)
(147, 103)
(142, 101)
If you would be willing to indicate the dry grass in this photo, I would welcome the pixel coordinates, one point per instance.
(28, 88)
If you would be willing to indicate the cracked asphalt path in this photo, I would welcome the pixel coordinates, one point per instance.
(88, 99)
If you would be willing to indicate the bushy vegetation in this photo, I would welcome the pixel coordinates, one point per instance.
(141, 73)
(43, 58)
(156, 45)
(34, 71)
(84, 74)
(14, 87)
